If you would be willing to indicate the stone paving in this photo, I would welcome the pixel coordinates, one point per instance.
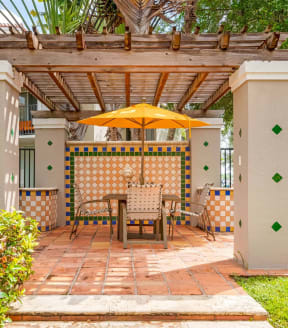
(93, 264)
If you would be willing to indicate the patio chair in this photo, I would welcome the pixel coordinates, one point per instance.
(198, 210)
(144, 202)
(83, 209)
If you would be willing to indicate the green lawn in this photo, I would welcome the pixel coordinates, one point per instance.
(272, 294)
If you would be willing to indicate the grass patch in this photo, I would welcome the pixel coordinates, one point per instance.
(272, 294)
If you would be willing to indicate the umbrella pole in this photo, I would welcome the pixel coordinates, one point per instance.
(142, 155)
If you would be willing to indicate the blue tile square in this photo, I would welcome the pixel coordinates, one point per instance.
(20, 193)
(39, 228)
(150, 222)
(187, 176)
(68, 214)
(67, 158)
(187, 148)
(68, 222)
(113, 149)
(187, 222)
(67, 167)
(38, 193)
(47, 193)
(150, 149)
(159, 148)
(208, 228)
(187, 204)
(95, 149)
(86, 222)
(85, 149)
(67, 186)
(227, 229)
(169, 149)
(67, 195)
(187, 158)
(47, 228)
(178, 149)
(132, 222)
(227, 192)
(187, 185)
(187, 167)
(67, 148)
(76, 148)
(178, 222)
(122, 149)
(104, 149)
(95, 222)
(187, 195)
(113, 222)
(104, 222)
(217, 192)
(28, 193)
(67, 204)
(217, 229)
(132, 149)
(67, 176)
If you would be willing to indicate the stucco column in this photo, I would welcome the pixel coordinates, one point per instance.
(260, 92)
(205, 156)
(10, 86)
(50, 139)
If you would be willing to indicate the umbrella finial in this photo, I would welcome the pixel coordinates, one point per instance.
(143, 100)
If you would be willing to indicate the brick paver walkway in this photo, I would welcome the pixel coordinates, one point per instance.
(92, 264)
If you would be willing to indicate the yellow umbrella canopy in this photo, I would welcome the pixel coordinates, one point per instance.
(143, 116)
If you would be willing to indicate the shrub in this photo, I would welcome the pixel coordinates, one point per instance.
(17, 239)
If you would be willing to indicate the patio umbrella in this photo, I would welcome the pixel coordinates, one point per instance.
(143, 116)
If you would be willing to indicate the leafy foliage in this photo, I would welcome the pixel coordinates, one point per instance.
(17, 240)
(272, 294)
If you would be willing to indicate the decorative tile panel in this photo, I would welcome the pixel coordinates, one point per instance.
(97, 170)
(220, 206)
(40, 205)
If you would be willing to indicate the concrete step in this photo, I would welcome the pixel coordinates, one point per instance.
(137, 308)
(142, 324)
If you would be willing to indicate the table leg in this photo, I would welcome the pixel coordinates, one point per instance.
(120, 221)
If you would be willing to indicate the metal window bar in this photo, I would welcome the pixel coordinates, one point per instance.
(27, 167)
(226, 165)
(25, 122)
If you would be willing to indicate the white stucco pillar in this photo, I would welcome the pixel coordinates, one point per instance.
(260, 92)
(10, 87)
(205, 156)
(50, 139)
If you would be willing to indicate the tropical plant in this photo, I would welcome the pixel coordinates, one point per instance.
(17, 240)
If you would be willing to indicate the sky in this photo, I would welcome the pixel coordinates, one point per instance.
(21, 8)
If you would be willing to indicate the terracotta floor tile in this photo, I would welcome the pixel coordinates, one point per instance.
(90, 275)
(179, 288)
(53, 289)
(149, 288)
(119, 289)
(86, 289)
(178, 275)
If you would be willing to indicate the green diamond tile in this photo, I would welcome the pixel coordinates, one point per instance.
(277, 129)
(12, 177)
(12, 132)
(276, 226)
(49, 167)
(240, 223)
(205, 143)
(206, 168)
(277, 177)
(50, 143)
(240, 177)
(240, 133)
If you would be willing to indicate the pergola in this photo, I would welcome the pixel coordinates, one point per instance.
(66, 71)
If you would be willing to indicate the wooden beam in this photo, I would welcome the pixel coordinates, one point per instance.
(96, 89)
(107, 59)
(80, 40)
(127, 39)
(32, 41)
(37, 93)
(71, 116)
(176, 40)
(220, 92)
(191, 90)
(215, 113)
(244, 29)
(223, 40)
(64, 87)
(127, 88)
(197, 30)
(272, 40)
(160, 86)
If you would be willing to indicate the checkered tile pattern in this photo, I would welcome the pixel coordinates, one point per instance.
(97, 171)
(220, 207)
(40, 205)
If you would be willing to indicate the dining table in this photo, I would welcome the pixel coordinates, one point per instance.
(122, 198)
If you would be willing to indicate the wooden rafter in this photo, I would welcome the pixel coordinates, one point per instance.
(127, 88)
(37, 93)
(160, 86)
(96, 89)
(220, 92)
(223, 40)
(32, 41)
(176, 40)
(63, 86)
(194, 86)
(127, 39)
(80, 40)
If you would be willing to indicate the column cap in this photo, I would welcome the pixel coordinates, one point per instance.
(215, 122)
(7, 74)
(258, 70)
(50, 123)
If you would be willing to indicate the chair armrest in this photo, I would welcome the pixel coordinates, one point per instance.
(193, 203)
(96, 201)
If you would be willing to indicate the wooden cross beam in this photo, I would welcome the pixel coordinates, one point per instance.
(127, 88)
(63, 86)
(32, 41)
(80, 40)
(223, 40)
(176, 40)
(160, 86)
(127, 39)
(220, 92)
(96, 89)
(194, 86)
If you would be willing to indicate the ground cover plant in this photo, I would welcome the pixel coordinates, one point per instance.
(17, 240)
(272, 294)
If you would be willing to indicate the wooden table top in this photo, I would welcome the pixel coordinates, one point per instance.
(165, 197)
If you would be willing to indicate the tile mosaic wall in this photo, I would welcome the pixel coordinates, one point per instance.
(220, 207)
(40, 205)
(96, 168)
